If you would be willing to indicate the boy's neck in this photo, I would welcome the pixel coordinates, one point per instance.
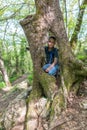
(50, 48)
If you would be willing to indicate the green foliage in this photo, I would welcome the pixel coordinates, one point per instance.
(13, 78)
(2, 128)
(83, 6)
(82, 57)
(2, 85)
(30, 78)
(81, 51)
(12, 39)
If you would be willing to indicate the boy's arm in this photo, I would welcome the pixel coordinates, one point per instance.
(52, 65)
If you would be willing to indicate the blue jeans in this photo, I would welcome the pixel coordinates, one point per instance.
(53, 71)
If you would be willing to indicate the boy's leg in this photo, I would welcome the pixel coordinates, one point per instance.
(54, 70)
(46, 66)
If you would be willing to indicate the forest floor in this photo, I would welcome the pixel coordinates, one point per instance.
(73, 118)
(9, 93)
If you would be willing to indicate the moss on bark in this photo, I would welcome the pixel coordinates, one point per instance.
(58, 105)
(48, 84)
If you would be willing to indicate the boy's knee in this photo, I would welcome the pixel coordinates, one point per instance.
(43, 68)
(50, 73)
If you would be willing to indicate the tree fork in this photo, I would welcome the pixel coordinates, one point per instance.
(48, 17)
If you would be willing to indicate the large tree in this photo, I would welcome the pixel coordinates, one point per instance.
(49, 19)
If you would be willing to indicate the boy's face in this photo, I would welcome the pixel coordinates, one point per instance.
(51, 43)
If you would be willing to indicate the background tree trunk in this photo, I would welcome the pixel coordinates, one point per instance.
(4, 73)
(76, 31)
(48, 18)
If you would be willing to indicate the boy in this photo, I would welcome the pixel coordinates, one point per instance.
(51, 66)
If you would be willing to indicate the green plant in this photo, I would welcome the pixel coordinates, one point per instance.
(2, 85)
(30, 79)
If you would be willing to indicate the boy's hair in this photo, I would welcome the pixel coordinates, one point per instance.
(52, 37)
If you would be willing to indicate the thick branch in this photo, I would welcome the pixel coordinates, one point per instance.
(79, 67)
(78, 23)
(82, 72)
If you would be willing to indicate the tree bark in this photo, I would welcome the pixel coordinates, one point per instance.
(4, 73)
(48, 18)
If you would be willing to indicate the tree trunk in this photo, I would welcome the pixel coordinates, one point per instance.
(76, 31)
(48, 18)
(4, 73)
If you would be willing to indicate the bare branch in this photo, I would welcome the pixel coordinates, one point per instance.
(13, 15)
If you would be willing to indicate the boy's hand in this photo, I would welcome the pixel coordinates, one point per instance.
(48, 69)
(52, 65)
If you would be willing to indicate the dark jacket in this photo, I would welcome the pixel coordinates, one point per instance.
(50, 55)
